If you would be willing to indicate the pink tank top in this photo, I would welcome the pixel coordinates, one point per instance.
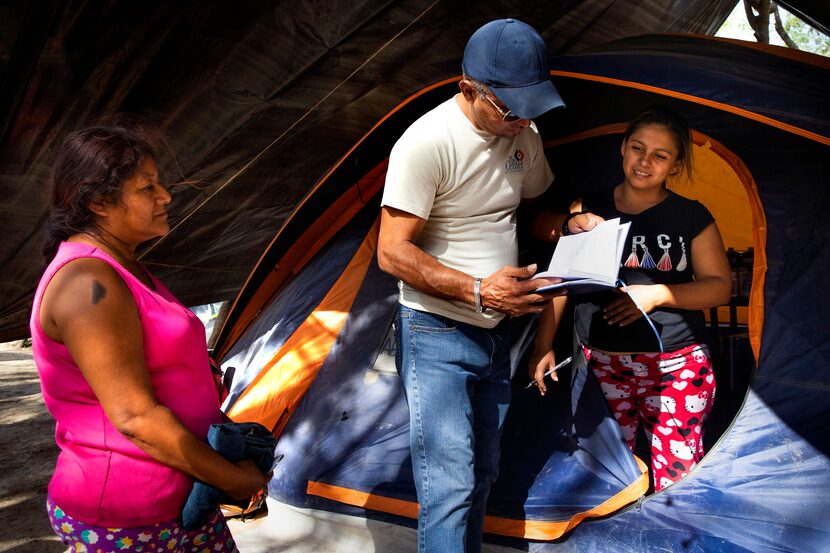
(101, 477)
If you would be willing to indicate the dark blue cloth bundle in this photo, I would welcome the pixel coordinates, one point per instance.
(235, 441)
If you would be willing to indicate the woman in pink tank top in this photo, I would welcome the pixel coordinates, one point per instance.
(123, 365)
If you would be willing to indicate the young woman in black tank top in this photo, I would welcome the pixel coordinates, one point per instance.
(674, 266)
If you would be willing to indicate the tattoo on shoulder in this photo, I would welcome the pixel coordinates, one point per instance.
(98, 292)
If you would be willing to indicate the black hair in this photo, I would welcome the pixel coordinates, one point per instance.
(92, 165)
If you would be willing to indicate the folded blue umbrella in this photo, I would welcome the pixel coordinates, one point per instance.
(235, 441)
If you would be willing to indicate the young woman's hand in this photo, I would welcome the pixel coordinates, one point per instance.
(540, 363)
(623, 310)
(583, 222)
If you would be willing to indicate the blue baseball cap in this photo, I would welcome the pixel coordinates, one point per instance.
(512, 60)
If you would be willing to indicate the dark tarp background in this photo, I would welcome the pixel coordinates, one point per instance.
(257, 99)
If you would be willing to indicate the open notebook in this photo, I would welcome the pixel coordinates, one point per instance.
(588, 261)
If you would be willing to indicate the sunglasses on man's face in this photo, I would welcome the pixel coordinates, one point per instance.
(506, 116)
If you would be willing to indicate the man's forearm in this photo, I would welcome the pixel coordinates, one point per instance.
(423, 272)
(509, 290)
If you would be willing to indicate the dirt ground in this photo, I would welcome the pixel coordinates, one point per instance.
(27, 459)
(27, 455)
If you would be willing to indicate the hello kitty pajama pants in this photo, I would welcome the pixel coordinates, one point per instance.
(671, 394)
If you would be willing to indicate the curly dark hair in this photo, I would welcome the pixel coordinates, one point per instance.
(92, 165)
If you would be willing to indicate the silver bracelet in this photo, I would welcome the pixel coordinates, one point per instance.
(477, 295)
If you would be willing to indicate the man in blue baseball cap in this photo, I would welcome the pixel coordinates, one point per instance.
(448, 233)
(511, 60)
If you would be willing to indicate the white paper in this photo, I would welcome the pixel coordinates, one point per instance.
(593, 256)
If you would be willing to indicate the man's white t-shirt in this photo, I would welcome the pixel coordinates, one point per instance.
(466, 183)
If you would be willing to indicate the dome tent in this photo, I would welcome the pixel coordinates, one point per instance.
(309, 339)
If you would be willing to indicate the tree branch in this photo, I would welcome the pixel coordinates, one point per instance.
(759, 22)
(779, 28)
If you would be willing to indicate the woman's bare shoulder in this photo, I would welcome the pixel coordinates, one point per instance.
(79, 289)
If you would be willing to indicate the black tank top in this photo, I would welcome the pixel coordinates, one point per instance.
(658, 251)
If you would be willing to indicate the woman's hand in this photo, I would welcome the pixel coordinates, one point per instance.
(247, 480)
(623, 310)
(583, 222)
(548, 225)
(540, 363)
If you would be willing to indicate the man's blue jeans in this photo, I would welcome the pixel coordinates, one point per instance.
(457, 382)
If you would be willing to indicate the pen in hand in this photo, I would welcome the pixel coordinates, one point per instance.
(550, 372)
